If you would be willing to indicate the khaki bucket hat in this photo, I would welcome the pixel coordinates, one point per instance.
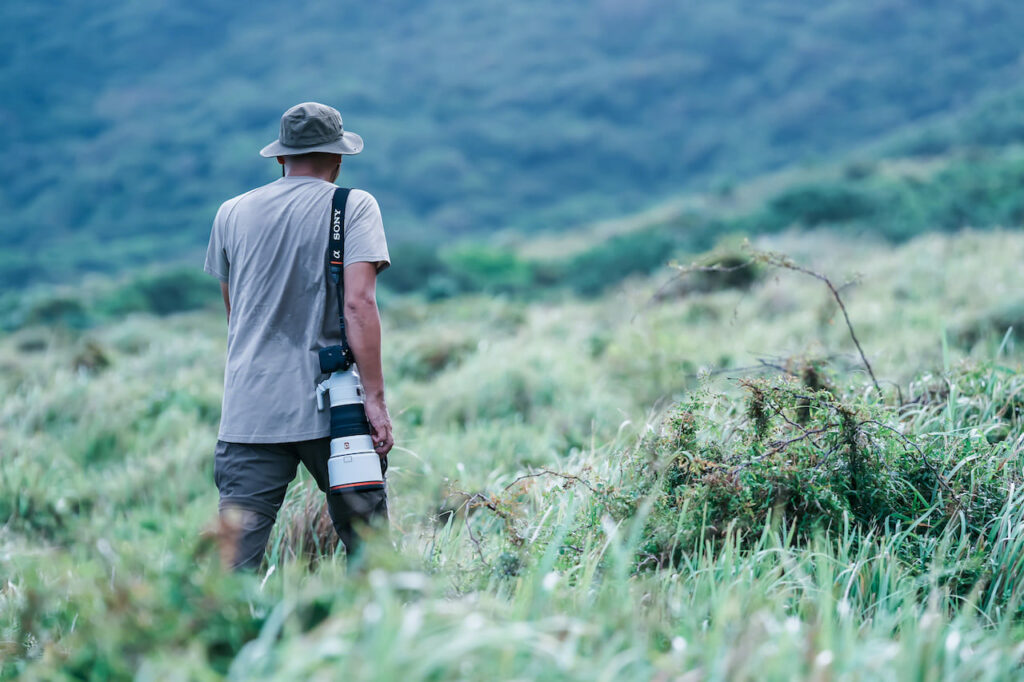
(313, 127)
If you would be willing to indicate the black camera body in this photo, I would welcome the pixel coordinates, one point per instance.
(335, 359)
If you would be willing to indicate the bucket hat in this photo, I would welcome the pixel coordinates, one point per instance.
(313, 127)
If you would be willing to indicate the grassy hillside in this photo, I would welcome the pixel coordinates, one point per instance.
(127, 124)
(691, 528)
(887, 198)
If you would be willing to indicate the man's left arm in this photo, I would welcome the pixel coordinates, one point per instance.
(366, 254)
(362, 324)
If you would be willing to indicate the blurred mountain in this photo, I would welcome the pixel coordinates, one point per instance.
(128, 122)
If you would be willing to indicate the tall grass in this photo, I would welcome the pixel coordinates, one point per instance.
(536, 476)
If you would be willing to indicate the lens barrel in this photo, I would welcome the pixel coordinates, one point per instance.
(349, 420)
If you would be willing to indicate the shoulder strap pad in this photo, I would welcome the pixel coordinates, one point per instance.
(336, 243)
(336, 265)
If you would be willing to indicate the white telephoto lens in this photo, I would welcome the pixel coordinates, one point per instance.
(354, 466)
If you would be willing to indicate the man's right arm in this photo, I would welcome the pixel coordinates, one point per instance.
(217, 258)
(362, 323)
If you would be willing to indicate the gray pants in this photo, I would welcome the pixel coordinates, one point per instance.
(253, 478)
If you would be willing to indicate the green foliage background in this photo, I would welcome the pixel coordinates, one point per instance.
(127, 124)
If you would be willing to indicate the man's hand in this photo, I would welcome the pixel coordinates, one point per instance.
(380, 426)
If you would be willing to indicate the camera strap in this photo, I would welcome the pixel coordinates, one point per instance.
(336, 262)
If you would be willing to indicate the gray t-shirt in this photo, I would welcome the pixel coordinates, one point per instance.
(269, 245)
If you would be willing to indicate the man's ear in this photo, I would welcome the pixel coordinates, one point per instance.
(280, 160)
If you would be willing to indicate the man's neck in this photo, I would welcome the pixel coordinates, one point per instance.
(306, 173)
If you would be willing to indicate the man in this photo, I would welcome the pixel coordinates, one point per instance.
(268, 248)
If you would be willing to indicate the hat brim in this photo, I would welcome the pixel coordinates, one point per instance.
(348, 143)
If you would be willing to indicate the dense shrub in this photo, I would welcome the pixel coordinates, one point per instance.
(713, 273)
(818, 204)
(478, 267)
(434, 355)
(811, 460)
(59, 310)
(980, 192)
(162, 293)
(592, 271)
(994, 322)
(184, 602)
(416, 263)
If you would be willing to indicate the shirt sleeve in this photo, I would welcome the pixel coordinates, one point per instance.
(216, 254)
(364, 232)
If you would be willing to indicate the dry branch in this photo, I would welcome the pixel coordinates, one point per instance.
(781, 261)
